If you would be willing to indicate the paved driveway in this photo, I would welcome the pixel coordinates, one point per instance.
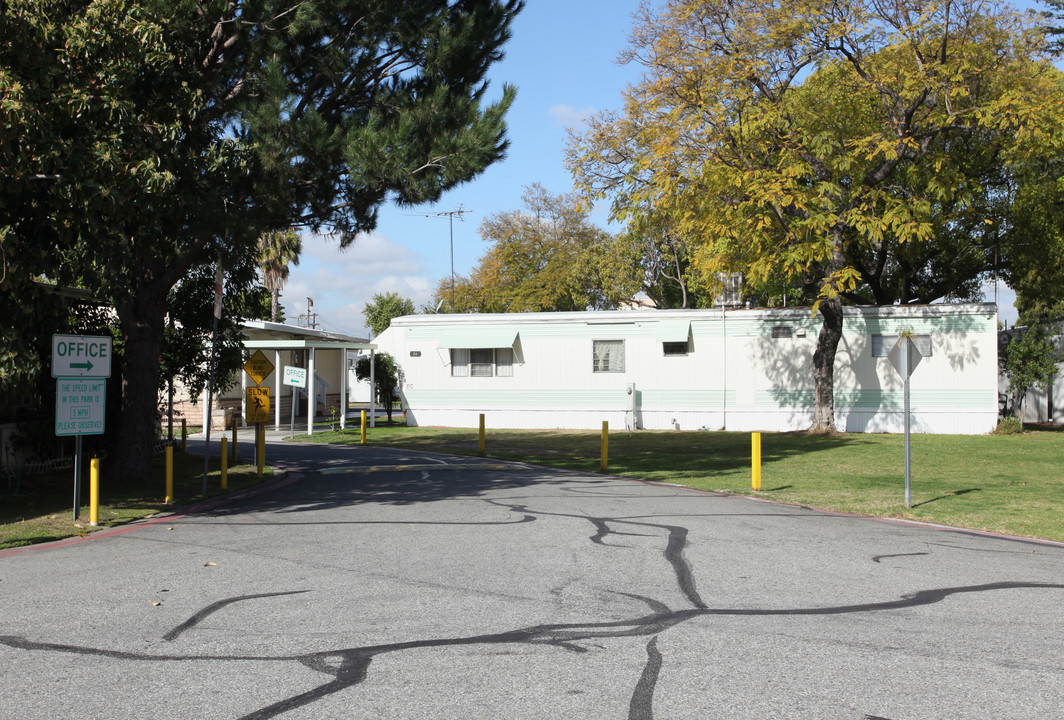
(380, 584)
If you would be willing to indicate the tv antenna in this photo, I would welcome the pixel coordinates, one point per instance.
(450, 215)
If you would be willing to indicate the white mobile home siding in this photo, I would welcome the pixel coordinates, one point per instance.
(735, 376)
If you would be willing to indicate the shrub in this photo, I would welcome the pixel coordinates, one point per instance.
(1010, 425)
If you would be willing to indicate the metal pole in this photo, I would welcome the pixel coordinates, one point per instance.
(219, 278)
(225, 463)
(755, 461)
(451, 218)
(605, 450)
(906, 363)
(260, 448)
(77, 476)
(169, 475)
(94, 492)
(292, 429)
(170, 395)
(210, 401)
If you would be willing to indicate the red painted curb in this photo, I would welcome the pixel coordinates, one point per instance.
(214, 502)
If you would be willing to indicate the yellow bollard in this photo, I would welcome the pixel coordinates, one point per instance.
(755, 461)
(94, 491)
(260, 449)
(363, 427)
(234, 439)
(481, 445)
(225, 464)
(169, 474)
(605, 445)
(184, 436)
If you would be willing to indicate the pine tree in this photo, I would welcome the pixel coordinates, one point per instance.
(141, 140)
(1053, 30)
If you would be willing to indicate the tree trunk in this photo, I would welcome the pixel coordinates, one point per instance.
(827, 344)
(142, 330)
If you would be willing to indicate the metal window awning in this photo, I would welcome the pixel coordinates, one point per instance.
(673, 330)
(478, 337)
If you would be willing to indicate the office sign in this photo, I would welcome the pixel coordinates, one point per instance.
(78, 356)
(295, 376)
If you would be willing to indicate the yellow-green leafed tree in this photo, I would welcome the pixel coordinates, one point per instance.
(839, 146)
(547, 257)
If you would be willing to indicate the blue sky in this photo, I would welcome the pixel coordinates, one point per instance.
(562, 58)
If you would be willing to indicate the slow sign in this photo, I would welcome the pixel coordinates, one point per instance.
(257, 409)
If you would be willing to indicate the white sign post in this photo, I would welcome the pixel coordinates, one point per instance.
(296, 377)
(905, 357)
(79, 364)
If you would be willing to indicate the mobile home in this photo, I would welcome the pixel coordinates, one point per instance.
(695, 369)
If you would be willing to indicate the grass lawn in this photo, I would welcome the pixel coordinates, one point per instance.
(44, 506)
(1010, 484)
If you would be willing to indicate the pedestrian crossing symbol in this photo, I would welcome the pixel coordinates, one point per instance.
(257, 408)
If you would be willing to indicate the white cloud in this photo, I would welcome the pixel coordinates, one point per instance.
(568, 117)
(1005, 297)
(342, 281)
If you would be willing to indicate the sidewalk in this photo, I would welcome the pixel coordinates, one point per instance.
(282, 432)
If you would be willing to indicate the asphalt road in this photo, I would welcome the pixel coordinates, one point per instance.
(370, 583)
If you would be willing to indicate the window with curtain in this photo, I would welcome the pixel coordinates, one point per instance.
(608, 356)
(459, 362)
(482, 362)
(504, 362)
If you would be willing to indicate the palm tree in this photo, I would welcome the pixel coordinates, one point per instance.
(278, 249)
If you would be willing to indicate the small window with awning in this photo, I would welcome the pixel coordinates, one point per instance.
(479, 351)
(482, 362)
(674, 336)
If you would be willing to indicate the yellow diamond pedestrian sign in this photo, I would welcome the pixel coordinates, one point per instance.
(258, 367)
(258, 405)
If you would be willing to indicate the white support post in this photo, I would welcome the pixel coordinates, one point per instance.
(312, 398)
(343, 388)
(277, 370)
(372, 389)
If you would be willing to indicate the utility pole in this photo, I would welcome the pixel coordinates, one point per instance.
(311, 316)
(450, 215)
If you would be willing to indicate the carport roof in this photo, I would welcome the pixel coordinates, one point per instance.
(263, 335)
